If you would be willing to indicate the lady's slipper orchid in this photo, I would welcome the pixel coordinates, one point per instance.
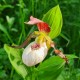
(36, 51)
(33, 54)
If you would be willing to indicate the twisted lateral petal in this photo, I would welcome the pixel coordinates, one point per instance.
(32, 57)
(33, 21)
(42, 26)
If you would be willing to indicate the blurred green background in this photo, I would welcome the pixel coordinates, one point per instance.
(13, 13)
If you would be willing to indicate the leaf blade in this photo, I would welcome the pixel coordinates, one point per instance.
(54, 18)
(15, 59)
(49, 69)
(3, 29)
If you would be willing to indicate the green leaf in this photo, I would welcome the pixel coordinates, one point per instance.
(66, 38)
(71, 56)
(2, 7)
(3, 29)
(10, 21)
(2, 74)
(16, 61)
(51, 68)
(54, 18)
(60, 78)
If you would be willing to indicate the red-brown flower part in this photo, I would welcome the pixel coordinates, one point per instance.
(42, 26)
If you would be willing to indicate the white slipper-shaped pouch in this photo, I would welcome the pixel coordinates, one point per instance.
(32, 57)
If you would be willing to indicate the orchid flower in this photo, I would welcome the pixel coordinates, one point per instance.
(37, 50)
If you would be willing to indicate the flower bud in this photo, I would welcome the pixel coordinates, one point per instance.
(31, 57)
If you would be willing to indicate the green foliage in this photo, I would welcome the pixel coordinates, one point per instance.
(47, 68)
(54, 18)
(15, 31)
(71, 56)
(2, 28)
(2, 7)
(51, 68)
(10, 21)
(4, 64)
(70, 73)
(14, 56)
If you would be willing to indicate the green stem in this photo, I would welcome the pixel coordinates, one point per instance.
(33, 12)
(36, 5)
(12, 71)
(9, 38)
(64, 37)
(45, 3)
(20, 38)
(56, 1)
(22, 15)
(33, 73)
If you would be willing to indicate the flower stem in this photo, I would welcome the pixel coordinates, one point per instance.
(12, 71)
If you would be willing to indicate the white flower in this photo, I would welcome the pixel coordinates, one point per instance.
(31, 57)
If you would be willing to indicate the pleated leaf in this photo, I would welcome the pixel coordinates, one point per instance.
(54, 18)
(51, 68)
